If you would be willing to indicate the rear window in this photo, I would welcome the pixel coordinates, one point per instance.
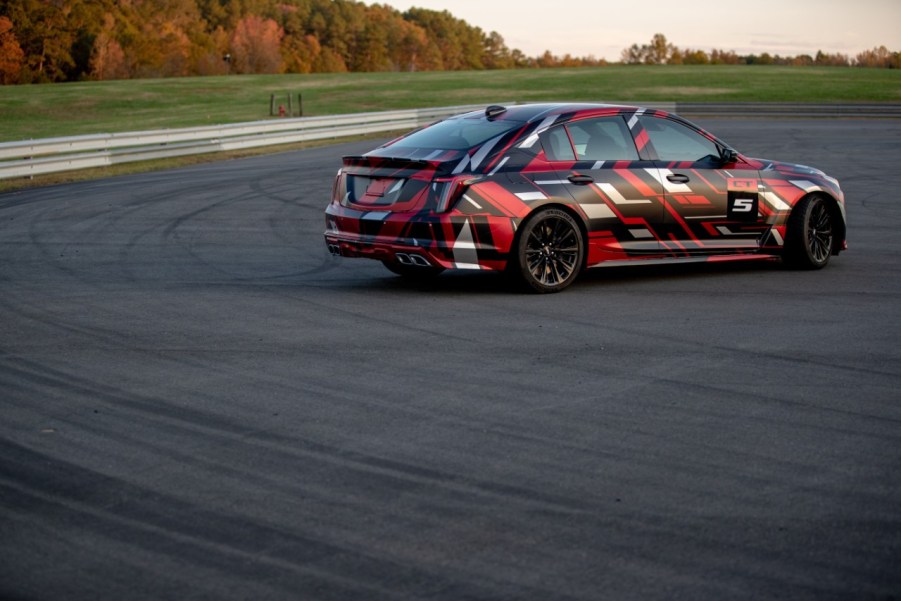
(457, 134)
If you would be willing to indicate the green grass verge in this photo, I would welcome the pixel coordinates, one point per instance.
(50, 110)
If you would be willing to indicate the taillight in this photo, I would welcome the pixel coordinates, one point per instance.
(452, 189)
(339, 188)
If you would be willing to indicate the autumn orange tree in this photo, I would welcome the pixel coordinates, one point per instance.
(879, 57)
(256, 45)
(11, 55)
(64, 40)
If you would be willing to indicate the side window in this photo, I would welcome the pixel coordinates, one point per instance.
(603, 139)
(676, 142)
(556, 145)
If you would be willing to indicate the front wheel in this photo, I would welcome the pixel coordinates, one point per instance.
(809, 237)
(550, 250)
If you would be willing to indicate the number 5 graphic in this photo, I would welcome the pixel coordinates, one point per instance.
(742, 206)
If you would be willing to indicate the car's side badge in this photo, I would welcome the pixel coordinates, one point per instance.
(743, 206)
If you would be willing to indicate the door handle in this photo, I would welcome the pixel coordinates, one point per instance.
(677, 178)
(580, 179)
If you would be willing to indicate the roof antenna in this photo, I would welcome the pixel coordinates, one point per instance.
(494, 110)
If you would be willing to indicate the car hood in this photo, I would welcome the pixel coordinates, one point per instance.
(768, 165)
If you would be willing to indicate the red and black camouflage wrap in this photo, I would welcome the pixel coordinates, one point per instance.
(461, 208)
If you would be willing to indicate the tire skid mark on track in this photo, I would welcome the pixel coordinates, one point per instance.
(133, 515)
(375, 467)
(205, 537)
(210, 424)
(287, 291)
(734, 350)
(31, 313)
(890, 435)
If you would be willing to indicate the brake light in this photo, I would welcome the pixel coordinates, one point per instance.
(450, 190)
(339, 188)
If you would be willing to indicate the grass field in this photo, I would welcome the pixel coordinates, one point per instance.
(41, 111)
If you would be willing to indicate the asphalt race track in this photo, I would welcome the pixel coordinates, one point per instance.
(197, 402)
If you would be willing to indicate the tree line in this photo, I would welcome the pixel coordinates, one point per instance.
(660, 52)
(70, 40)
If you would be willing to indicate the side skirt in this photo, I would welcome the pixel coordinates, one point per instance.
(672, 260)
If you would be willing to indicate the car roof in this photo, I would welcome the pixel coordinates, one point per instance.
(528, 113)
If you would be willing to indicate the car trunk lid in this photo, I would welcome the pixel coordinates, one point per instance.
(389, 184)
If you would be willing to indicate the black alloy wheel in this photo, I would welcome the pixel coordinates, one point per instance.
(810, 236)
(550, 251)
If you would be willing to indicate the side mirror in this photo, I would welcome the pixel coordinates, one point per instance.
(727, 155)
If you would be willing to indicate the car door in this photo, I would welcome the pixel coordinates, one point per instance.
(597, 161)
(712, 204)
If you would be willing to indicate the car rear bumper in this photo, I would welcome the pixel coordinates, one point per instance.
(342, 246)
(450, 240)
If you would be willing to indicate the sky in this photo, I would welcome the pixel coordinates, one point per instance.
(604, 28)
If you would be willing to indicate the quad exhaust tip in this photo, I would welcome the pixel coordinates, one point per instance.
(402, 258)
(412, 259)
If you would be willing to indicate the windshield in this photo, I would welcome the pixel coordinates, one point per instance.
(456, 134)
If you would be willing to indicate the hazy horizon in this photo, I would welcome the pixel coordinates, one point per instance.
(588, 27)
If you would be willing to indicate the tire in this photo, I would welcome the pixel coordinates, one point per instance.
(412, 272)
(550, 251)
(810, 236)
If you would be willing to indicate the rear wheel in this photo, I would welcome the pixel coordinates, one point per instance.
(412, 272)
(809, 238)
(550, 250)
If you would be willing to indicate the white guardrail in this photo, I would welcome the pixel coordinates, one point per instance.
(52, 155)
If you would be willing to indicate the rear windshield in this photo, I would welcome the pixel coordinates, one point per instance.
(456, 134)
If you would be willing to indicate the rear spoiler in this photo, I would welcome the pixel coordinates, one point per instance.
(394, 164)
